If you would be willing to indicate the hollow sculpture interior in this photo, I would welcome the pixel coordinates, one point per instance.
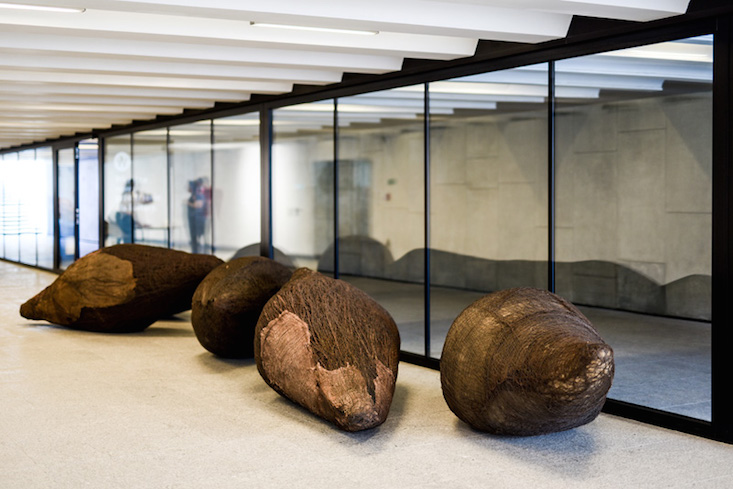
(331, 348)
(525, 361)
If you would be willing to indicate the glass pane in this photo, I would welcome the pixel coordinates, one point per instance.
(488, 189)
(117, 190)
(26, 207)
(236, 192)
(30, 205)
(634, 214)
(3, 209)
(67, 207)
(11, 207)
(190, 187)
(44, 216)
(302, 184)
(150, 193)
(381, 204)
(88, 196)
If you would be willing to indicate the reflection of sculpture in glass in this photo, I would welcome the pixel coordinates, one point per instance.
(126, 216)
(199, 205)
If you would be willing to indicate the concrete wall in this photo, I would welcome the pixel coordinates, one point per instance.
(397, 187)
(635, 185)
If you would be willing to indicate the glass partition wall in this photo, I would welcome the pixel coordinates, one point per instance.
(26, 207)
(381, 197)
(488, 189)
(634, 216)
(11, 207)
(118, 188)
(236, 186)
(148, 195)
(303, 185)
(170, 187)
(67, 205)
(88, 208)
(598, 187)
(189, 202)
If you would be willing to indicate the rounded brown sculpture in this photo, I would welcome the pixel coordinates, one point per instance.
(121, 289)
(525, 362)
(331, 348)
(228, 303)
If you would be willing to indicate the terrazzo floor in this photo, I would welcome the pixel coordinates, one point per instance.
(155, 410)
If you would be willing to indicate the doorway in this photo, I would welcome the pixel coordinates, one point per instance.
(77, 196)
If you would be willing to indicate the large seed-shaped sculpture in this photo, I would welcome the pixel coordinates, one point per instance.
(121, 289)
(525, 362)
(228, 303)
(331, 348)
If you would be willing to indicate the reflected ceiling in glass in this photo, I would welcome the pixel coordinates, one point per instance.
(629, 73)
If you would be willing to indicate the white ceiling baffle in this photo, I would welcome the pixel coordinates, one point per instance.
(70, 66)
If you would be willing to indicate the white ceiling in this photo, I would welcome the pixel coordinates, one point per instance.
(124, 60)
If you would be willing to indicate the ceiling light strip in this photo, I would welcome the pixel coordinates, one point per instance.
(314, 29)
(45, 8)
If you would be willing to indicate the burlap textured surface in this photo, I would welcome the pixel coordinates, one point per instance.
(228, 303)
(525, 361)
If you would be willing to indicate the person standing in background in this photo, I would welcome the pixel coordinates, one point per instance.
(198, 212)
(125, 217)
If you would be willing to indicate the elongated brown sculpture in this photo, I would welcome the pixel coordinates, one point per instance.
(228, 303)
(121, 289)
(331, 348)
(525, 362)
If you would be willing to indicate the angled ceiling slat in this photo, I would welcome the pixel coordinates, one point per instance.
(442, 18)
(634, 10)
(12, 37)
(145, 81)
(153, 27)
(32, 88)
(91, 101)
(125, 60)
(101, 64)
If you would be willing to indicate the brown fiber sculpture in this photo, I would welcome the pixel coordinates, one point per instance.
(228, 303)
(331, 348)
(525, 362)
(121, 289)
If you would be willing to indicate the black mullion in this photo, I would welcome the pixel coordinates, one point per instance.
(56, 227)
(168, 160)
(266, 248)
(76, 201)
(551, 176)
(426, 196)
(101, 145)
(722, 273)
(211, 188)
(132, 190)
(336, 135)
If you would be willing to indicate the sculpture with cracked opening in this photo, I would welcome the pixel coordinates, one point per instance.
(331, 348)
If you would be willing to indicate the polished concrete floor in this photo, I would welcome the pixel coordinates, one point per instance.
(662, 363)
(155, 410)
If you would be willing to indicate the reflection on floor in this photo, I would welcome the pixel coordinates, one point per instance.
(661, 363)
